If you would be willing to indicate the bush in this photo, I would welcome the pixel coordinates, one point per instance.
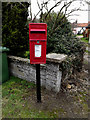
(14, 28)
(62, 39)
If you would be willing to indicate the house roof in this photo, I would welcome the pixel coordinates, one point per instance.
(82, 24)
(75, 25)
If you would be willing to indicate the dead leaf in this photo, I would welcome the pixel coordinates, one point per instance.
(69, 86)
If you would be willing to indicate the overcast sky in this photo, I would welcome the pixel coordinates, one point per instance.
(80, 16)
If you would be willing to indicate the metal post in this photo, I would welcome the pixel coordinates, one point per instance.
(38, 83)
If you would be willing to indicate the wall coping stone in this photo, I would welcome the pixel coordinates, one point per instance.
(56, 58)
(52, 57)
(15, 58)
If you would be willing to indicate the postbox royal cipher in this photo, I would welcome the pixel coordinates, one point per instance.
(37, 42)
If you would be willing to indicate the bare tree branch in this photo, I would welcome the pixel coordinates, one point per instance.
(87, 1)
(44, 6)
(40, 8)
(36, 16)
(58, 3)
(38, 5)
(73, 10)
(58, 16)
(30, 10)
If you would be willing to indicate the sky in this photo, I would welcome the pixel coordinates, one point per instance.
(80, 16)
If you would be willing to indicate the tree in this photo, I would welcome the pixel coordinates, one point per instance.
(14, 28)
(60, 38)
(43, 6)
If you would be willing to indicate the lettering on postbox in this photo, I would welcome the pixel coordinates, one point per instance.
(37, 42)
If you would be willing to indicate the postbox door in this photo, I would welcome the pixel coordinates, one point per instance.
(37, 52)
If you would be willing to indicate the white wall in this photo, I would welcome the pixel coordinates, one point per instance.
(78, 29)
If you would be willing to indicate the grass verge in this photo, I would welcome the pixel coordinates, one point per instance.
(84, 40)
(18, 96)
(19, 101)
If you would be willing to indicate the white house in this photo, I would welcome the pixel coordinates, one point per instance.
(78, 27)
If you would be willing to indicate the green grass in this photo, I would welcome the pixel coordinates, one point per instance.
(16, 102)
(13, 92)
(88, 52)
(80, 35)
(84, 40)
(19, 101)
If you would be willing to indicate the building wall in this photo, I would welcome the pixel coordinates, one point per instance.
(77, 29)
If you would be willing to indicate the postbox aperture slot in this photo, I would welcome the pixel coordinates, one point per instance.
(37, 30)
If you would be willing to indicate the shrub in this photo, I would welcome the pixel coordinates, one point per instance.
(14, 28)
(62, 39)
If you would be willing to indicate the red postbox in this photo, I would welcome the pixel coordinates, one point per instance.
(37, 42)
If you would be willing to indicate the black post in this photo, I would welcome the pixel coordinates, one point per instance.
(38, 83)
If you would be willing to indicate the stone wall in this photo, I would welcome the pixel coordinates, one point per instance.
(50, 73)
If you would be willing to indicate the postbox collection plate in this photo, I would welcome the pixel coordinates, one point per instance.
(37, 42)
(37, 50)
